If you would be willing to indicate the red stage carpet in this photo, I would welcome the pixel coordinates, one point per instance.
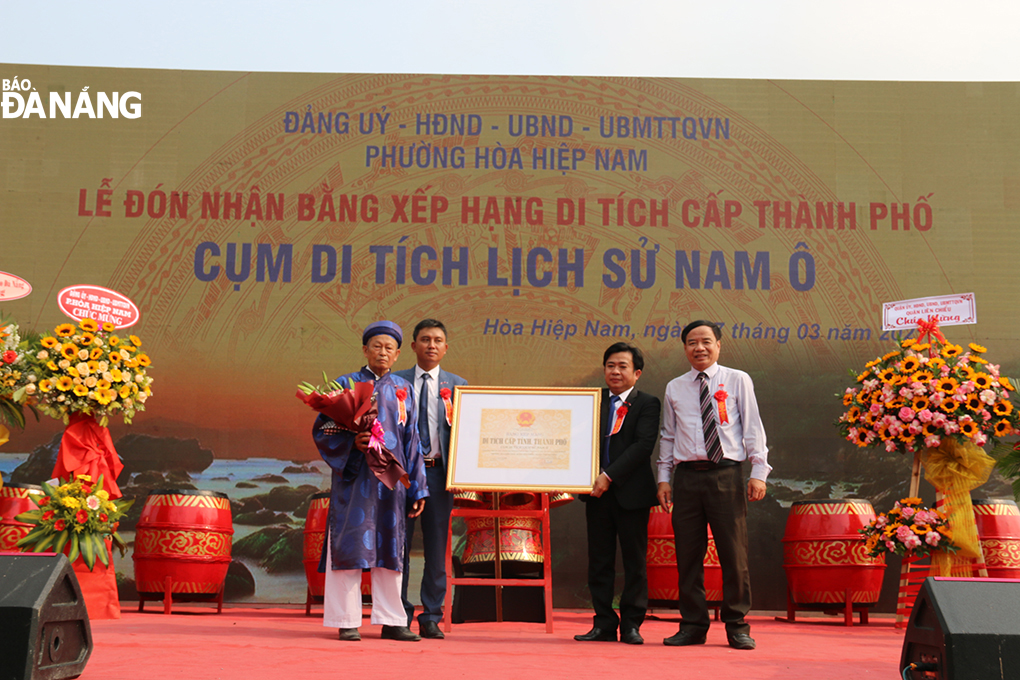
(283, 644)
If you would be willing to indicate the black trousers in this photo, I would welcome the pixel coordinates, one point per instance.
(607, 522)
(713, 498)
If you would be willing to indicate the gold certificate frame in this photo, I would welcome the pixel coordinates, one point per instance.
(524, 438)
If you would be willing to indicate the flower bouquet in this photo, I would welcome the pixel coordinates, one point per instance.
(12, 374)
(908, 529)
(353, 408)
(86, 369)
(918, 395)
(85, 374)
(77, 516)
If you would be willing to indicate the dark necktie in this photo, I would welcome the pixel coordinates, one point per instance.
(614, 401)
(712, 445)
(423, 416)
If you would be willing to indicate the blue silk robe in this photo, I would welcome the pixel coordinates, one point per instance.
(367, 521)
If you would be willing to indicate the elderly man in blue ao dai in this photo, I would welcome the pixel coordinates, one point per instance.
(367, 520)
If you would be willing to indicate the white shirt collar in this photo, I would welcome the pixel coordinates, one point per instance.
(419, 372)
(622, 395)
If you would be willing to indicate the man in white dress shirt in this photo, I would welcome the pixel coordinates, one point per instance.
(433, 390)
(710, 426)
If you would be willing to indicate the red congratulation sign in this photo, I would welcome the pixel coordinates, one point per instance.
(13, 287)
(100, 304)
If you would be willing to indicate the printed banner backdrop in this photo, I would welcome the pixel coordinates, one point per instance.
(260, 221)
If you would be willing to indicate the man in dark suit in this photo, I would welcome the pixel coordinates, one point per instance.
(621, 498)
(433, 390)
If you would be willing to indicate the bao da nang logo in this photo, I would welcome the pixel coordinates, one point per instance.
(21, 100)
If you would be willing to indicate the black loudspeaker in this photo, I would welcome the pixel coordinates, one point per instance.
(964, 629)
(44, 626)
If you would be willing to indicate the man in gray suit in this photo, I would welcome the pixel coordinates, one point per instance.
(433, 390)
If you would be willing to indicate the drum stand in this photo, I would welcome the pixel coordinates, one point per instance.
(545, 582)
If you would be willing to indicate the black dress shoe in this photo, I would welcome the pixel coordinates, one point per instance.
(401, 633)
(430, 630)
(632, 637)
(597, 635)
(350, 635)
(741, 641)
(684, 638)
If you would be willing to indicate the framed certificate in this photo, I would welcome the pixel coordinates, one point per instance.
(528, 438)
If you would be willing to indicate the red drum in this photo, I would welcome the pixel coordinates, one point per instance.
(470, 499)
(14, 500)
(524, 500)
(316, 522)
(824, 556)
(998, 526)
(663, 579)
(520, 538)
(186, 535)
(559, 498)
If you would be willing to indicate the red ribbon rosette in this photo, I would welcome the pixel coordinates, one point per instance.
(621, 413)
(720, 397)
(401, 408)
(445, 394)
(355, 410)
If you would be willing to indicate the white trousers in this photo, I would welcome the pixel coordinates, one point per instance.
(342, 597)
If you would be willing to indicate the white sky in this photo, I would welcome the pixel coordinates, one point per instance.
(975, 40)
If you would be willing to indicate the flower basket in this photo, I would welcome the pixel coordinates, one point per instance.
(79, 519)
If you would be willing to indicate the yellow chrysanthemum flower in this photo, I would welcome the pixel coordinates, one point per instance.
(143, 360)
(949, 405)
(70, 502)
(974, 403)
(863, 376)
(115, 358)
(113, 341)
(69, 351)
(886, 375)
(873, 363)
(969, 429)
(102, 384)
(909, 342)
(919, 403)
(853, 414)
(52, 365)
(108, 327)
(135, 341)
(87, 338)
(922, 377)
(921, 348)
(950, 350)
(80, 390)
(1003, 428)
(89, 325)
(936, 363)
(928, 429)
(64, 330)
(49, 342)
(45, 385)
(125, 391)
(1004, 381)
(104, 397)
(889, 355)
(64, 383)
(974, 347)
(96, 353)
(910, 364)
(978, 360)
(967, 371)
